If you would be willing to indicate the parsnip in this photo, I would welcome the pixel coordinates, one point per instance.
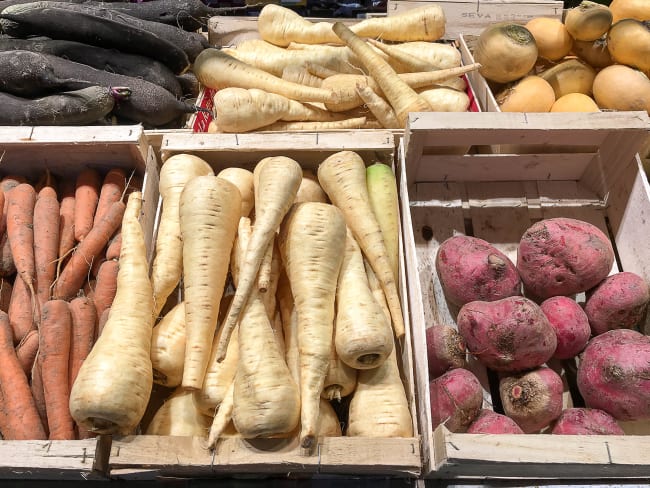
(178, 416)
(168, 347)
(243, 180)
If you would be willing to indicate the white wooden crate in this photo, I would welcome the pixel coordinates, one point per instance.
(146, 457)
(580, 167)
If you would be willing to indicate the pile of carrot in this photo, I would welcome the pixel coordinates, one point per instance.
(280, 314)
(60, 244)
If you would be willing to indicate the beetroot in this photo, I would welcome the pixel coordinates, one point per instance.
(445, 349)
(563, 256)
(620, 301)
(489, 422)
(472, 269)
(586, 421)
(456, 399)
(614, 374)
(570, 323)
(512, 334)
(532, 399)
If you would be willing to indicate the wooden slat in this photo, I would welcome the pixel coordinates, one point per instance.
(472, 16)
(55, 460)
(542, 456)
(480, 86)
(151, 456)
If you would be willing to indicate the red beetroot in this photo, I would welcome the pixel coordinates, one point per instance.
(570, 323)
(456, 399)
(472, 269)
(489, 422)
(532, 399)
(614, 374)
(620, 301)
(512, 334)
(586, 421)
(563, 256)
(445, 349)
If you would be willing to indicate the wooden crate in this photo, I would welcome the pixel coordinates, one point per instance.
(28, 151)
(150, 456)
(472, 16)
(588, 169)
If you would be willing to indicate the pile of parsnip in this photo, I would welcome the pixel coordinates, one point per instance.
(309, 321)
(596, 58)
(302, 75)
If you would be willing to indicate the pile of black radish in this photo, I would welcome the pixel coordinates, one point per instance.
(137, 56)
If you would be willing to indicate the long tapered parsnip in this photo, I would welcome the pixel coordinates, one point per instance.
(379, 407)
(168, 347)
(378, 106)
(312, 243)
(299, 74)
(101, 400)
(401, 97)
(289, 326)
(382, 192)
(178, 416)
(341, 378)
(279, 179)
(413, 62)
(363, 337)
(280, 25)
(243, 110)
(266, 399)
(209, 213)
(242, 179)
(343, 177)
(168, 261)
(216, 69)
(352, 123)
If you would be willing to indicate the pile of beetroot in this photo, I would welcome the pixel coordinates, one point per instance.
(515, 318)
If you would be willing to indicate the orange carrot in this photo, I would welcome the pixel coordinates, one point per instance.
(20, 230)
(66, 218)
(20, 311)
(18, 408)
(106, 285)
(101, 321)
(5, 294)
(46, 242)
(114, 246)
(36, 387)
(97, 263)
(26, 351)
(86, 197)
(84, 317)
(111, 191)
(54, 346)
(73, 275)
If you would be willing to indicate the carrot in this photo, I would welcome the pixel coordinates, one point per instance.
(343, 177)
(101, 322)
(266, 399)
(46, 242)
(382, 192)
(279, 179)
(66, 218)
(18, 407)
(26, 351)
(20, 231)
(112, 190)
(312, 243)
(102, 401)
(106, 286)
(216, 69)
(76, 270)
(209, 212)
(87, 190)
(114, 245)
(94, 269)
(401, 97)
(36, 388)
(168, 261)
(20, 310)
(5, 294)
(54, 346)
(82, 337)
